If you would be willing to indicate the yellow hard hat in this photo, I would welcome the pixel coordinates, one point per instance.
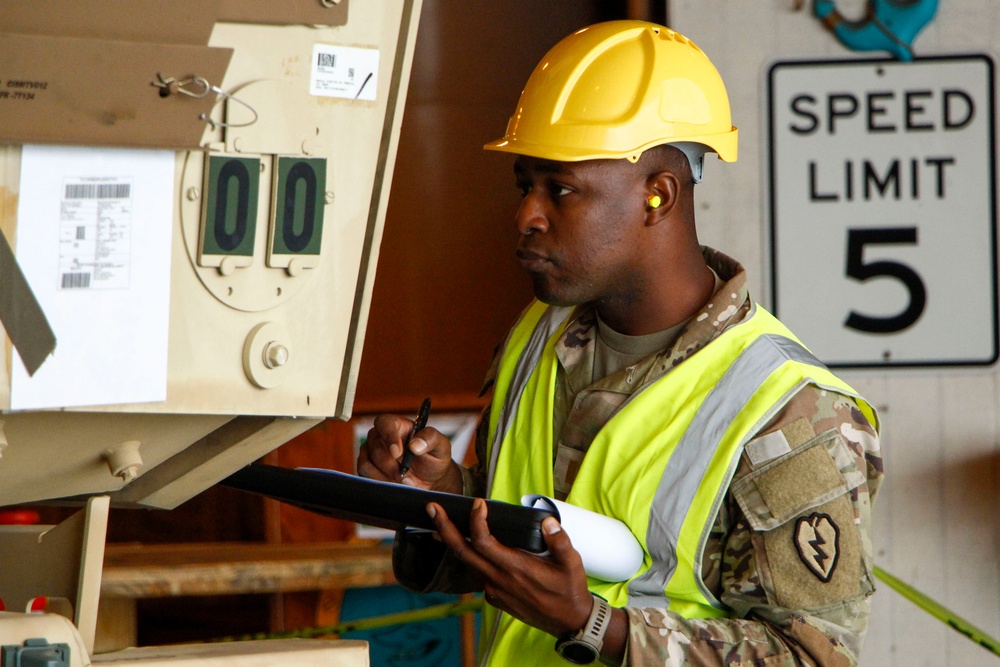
(614, 89)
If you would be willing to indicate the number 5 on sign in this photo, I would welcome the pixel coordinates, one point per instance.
(861, 271)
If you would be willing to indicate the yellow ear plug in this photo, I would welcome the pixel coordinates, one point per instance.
(654, 202)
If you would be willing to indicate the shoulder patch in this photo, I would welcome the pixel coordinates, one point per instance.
(817, 539)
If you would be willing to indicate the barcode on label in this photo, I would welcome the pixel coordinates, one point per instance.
(326, 60)
(75, 280)
(98, 190)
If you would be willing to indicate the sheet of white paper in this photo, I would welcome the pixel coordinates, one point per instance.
(93, 240)
(607, 547)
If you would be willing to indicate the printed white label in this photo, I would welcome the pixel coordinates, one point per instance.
(93, 239)
(95, 233)
(344, 71)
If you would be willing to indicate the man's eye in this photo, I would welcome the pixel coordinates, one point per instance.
(560, 190)
(523, 188)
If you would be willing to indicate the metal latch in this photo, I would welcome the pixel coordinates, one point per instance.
(36, 652)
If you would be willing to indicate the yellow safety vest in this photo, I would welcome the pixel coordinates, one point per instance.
(661, 464)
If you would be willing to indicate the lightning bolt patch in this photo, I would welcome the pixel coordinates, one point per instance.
(817, 539)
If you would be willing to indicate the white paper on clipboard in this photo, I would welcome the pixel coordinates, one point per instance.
(609, 550)
(93, 240)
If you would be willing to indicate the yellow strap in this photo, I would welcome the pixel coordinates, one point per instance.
(940, 612)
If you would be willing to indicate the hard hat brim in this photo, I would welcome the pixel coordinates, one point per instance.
(725, 145)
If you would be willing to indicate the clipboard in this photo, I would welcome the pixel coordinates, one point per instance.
(387, 505)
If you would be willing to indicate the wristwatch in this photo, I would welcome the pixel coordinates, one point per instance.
(583, 647)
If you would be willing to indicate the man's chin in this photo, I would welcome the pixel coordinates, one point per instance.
(553, 299)
(551, 294)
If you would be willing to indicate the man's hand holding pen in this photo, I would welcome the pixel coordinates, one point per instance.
(384, 454)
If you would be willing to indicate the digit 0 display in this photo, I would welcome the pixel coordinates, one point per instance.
(298, 208)
(229, 212)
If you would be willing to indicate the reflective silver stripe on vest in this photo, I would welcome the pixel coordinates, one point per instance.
(551, 319)
(687, 465)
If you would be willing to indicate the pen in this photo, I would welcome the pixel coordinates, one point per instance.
(422, 415)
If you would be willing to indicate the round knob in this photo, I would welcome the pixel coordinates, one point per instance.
(227, 266)
(275, 355)
(266, 361)
(124, 460)
(295, 267)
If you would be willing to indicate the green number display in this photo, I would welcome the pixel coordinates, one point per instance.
(231, 198)
(299, 199)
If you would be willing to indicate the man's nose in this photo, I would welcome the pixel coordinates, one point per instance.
(531, 215)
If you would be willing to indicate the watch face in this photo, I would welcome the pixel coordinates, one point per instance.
(578, 653)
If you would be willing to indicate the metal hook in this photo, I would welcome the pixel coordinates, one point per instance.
(194, 80)
(198, 87)
(169, 85)
(229, 98)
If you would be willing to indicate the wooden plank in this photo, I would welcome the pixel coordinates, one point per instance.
(299, 652)
(289, 12)
(117, 626)
(146, 571)
(99, 93)
(176, 22)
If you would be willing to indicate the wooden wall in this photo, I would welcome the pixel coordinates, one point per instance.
(937, 523)
(447, 287)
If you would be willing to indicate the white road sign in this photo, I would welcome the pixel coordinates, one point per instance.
(883, 218)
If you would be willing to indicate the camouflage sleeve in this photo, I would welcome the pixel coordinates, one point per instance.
(790, 553)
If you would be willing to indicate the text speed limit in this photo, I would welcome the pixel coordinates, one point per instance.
(882, 209)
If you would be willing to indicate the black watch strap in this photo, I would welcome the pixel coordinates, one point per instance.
(583, 647)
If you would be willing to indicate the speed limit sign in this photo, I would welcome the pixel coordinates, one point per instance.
(882, 209)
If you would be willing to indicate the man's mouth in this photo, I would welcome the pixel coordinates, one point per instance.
(531, 261)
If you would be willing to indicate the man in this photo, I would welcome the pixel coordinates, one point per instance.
(646, 385)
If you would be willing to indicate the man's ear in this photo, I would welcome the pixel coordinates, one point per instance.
(663, 191)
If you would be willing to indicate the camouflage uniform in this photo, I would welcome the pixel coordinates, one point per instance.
(806, 482)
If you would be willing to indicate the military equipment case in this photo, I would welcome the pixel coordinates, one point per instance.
(264, 336)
